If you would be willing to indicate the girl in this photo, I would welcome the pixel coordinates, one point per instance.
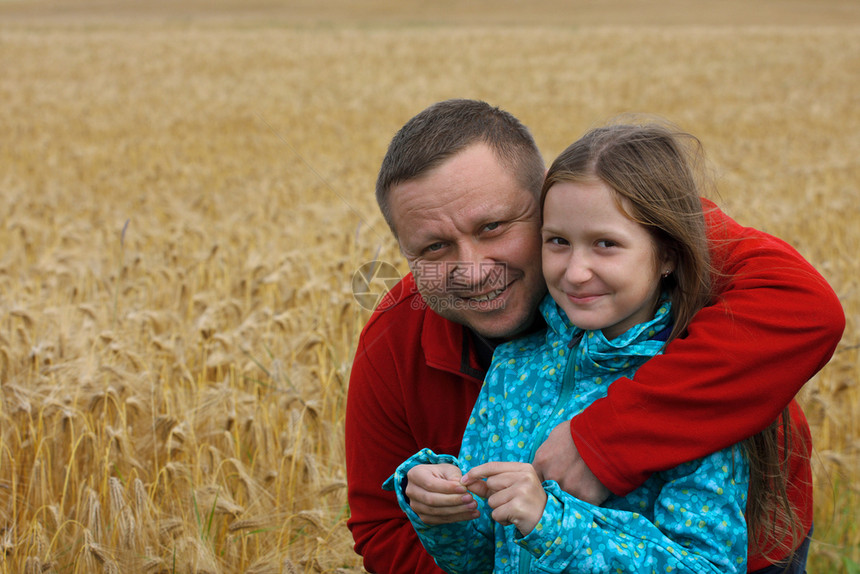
(625, 258)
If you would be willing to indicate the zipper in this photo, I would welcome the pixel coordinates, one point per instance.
(568, 383)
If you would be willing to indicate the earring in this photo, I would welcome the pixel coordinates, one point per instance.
(666, 273)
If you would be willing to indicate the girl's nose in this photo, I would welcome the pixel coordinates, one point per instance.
(578, 269)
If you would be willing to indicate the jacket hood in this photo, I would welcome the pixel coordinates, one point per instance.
(639, 340)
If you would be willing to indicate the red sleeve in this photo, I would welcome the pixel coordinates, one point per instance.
(775, 323)
(378, 439)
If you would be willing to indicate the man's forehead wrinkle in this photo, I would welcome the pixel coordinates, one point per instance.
(464, 200)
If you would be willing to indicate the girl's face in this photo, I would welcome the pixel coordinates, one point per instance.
(601, 267)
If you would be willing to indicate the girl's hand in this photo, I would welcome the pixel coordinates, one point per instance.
(512, 489)
(436, 495)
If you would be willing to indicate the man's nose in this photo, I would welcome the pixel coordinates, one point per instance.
(474, 269)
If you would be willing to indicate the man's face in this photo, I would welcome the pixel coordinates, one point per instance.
(471, 235)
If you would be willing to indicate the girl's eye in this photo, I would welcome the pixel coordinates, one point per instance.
(606, 243)
(558, 241)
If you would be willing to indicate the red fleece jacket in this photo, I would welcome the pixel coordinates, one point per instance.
(416, 376)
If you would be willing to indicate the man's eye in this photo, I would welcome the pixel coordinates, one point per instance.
(434, 246)
(492, 226)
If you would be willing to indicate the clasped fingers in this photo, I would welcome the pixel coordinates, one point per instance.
(512, 489)
(436, 495)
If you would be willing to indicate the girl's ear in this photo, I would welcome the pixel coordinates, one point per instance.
(668, 261)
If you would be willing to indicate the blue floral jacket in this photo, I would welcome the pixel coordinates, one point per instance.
(687, 519)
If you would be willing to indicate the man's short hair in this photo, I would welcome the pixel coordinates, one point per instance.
(445, 129)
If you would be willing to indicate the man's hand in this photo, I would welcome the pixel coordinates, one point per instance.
(436, 495)
(557, 459)
(512, 489)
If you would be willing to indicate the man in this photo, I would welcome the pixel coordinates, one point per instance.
(459, 188)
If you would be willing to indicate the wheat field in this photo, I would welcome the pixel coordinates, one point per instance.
(186, 190)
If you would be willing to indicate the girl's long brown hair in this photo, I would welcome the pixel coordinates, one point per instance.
(657, 174)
